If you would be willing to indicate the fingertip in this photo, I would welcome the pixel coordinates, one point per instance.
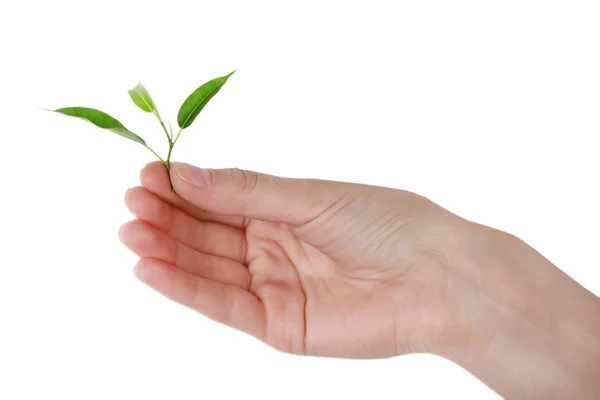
(151, 166)
(151, 270)
(120, 233)
(134, 199)
(136, 270)
(138, 236)
(125, 231)
(167, 279)
(151, 173)
(183, 173)
(130, 195)
(142, 268)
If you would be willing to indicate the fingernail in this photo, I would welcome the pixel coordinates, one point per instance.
(192, 175)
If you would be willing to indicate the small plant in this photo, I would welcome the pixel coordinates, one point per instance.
(188, 112)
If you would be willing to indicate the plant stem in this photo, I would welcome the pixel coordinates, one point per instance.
(156, 154)
(171, 145)
(177, 137)
(170, 151)
(168, 162)
(169, 138)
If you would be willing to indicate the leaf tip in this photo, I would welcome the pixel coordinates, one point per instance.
(133, 90)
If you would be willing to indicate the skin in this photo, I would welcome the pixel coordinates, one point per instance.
(343, 270)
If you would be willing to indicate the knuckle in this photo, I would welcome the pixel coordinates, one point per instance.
(244, 181)
(157, 247)
(165, 214)
(199, 235)
(152, 239)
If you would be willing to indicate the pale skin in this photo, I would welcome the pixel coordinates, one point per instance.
(343, 270)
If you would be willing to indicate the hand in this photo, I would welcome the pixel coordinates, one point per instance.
(345, 270)
(309, 267)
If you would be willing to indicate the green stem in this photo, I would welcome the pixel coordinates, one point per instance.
(171, 145)
(169, 138)
(168, 162)
(170, 151)
(177, 137)
(156, 154)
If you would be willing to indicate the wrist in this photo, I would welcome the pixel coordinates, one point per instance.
(536, 332)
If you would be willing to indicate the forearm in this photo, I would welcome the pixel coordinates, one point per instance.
(539, 330)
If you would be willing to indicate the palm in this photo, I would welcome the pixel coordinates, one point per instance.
(314, 305)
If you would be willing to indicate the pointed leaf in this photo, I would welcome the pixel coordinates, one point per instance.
(101, 120)
(192, 106)
(142, 98)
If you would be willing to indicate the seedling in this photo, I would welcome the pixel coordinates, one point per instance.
(188, 112)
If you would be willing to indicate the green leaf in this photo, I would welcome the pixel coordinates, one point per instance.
(142, 98)
(101, 120)
(192, 106)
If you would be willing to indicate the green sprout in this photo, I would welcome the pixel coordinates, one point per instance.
(188, 112)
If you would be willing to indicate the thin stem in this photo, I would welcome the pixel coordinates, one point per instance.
(169, 155)
(177, 137)
(168, 163)
(169, 138)
(156, 154)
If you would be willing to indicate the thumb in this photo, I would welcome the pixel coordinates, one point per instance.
(250, 194)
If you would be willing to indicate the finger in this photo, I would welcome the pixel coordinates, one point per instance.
(254, 195)
(205, 236)
(225, 304)
(147, 241)
(155, 178)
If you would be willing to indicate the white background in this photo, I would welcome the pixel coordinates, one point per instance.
(491, 109)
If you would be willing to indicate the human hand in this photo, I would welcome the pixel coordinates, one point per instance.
(309, 267)
(345, 270)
